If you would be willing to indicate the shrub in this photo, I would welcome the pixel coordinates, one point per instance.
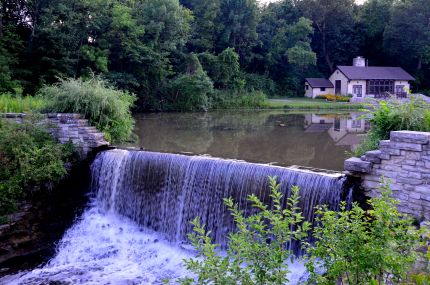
(228, 99)
(395, 116)
(258, 82)
(30, 160)
(223, 69)
(250, 257)
(338, 98)
(189, 92)
(333, 97)
(374, 247)
(104, 106)
(19, 104)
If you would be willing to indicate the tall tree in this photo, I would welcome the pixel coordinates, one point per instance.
(206, 24)
(373, 18)
(239, 19)
(407, 35)
(335, 39)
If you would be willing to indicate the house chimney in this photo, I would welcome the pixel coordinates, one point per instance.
(359, 61)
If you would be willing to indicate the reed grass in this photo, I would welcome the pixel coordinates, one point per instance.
(106, 107)
(19, 104)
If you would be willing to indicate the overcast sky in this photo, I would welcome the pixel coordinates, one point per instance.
(267, 1)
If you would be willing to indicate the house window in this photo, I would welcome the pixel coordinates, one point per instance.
(322, 88)
(307, 87)
(400, 89)
(357, 90)
(356, 124)
(380, 86)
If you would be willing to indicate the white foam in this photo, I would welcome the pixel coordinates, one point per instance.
(108, 249)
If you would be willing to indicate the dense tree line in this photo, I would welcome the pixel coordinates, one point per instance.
(179, 54)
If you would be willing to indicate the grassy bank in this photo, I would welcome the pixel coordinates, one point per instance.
(308, 104)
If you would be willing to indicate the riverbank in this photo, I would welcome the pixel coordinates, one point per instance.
(309, 104)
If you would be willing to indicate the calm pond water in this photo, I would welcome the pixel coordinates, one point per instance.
(279, 137)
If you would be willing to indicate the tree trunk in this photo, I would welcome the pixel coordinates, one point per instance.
(419, 64)
(326, 55)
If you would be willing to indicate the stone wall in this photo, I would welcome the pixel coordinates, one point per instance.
(28, 236)
(69, 127)
(405, 161)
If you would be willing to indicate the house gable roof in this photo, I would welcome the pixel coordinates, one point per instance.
(319, 82)
(375, 72)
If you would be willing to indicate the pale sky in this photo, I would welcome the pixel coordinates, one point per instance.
(268, 1)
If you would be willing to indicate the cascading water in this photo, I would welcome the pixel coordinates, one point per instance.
(165, 192)
(143, 205)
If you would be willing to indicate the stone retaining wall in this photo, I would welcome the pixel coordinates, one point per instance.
(405, 161)
(69, 127)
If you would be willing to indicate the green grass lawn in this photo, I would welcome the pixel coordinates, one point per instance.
(309, 104)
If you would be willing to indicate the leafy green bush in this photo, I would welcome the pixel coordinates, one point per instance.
(378, 246)
(189, 92)
(30, 160)
(374, 247)
(250, 258)
(19, 104)
(223, 69)
(228, 99)
(104, 106)
(260, 83)
(395, 116)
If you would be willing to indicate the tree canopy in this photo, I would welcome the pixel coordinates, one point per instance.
(145, 46)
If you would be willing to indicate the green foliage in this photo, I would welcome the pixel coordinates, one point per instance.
(30, 160)
(395, 116)
(104, 106)
(421, 279)
(230, 99)
(378, 246)
(336, 37)
(228, 67)
(238, 26)
(205, 26)
(415, 34)
(310, 104)
(141, 45)
(259, 82)
(19, 104)
(190, 91)
(223, 69)
(10, 47)
(250, 258)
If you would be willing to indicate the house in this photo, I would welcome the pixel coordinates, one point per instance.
(318, 86)
(361, 81)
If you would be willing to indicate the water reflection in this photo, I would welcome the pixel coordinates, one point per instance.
(306, 139)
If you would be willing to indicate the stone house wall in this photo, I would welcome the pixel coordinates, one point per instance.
(405, 161)
(69, 127)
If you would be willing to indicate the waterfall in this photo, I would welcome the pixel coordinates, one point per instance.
(145, 200)
(165, 192)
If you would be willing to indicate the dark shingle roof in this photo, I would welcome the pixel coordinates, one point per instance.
(319, 82)
(375, 72)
